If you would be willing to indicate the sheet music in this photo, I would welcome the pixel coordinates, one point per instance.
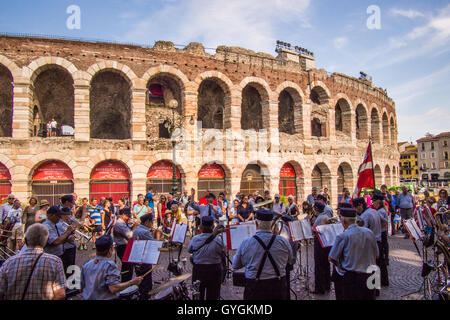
(239, 233)
(151, 253)
(307, 229)
(137, 251)
(328, 233)
(414, 229)
(179, 234)
(300, 230)
(145, 251)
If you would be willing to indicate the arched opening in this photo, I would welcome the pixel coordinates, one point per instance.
(161, 89)
(375, 125)
(51, 180)
(387, 176)
(110, 178)
(110, 103)
(321, 177)
(288, 181)
(251, 108)
(378, 175)
(392, 128)
(159, 177)
(342, 117)
(211, 103)
(252, 180)
(5, 182)
(345, 177)
(211, 177)
(319, 112)
(386, 130)
(6, 102)
(286, 114)
(53, 95)
(362, 125)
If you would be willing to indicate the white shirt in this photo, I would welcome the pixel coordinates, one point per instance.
(17, 215)
(53, 124)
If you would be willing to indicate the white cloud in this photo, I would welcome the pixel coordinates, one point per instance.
(431, 37)
(340, 42)
(245, 23)
(411, 14)
(414, 125)
(421, 86)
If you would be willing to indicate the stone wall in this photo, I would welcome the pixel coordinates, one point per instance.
(251, 86)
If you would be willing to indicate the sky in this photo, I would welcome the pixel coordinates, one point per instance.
(407, 53)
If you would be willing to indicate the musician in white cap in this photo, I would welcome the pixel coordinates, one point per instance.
(265, 257)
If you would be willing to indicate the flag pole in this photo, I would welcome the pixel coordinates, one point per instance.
(371, 155)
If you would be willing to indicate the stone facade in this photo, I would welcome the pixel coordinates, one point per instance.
(253, 90)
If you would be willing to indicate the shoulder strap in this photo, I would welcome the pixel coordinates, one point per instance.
(266, 255)
(208, 240)
(31, 274)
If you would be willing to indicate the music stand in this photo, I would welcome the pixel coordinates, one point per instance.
(426, 268)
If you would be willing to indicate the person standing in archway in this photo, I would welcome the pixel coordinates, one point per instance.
(54, 126)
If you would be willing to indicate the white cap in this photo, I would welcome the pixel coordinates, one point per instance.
(11, 196)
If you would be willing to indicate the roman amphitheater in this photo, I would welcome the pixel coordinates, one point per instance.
(250, 121)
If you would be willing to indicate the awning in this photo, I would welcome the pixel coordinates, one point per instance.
(287, 171)
(110, 170)
(162, 170)
(211, 171)
(52, 170)
(4, 172)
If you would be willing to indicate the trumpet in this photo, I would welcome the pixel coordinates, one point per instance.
(77, 233)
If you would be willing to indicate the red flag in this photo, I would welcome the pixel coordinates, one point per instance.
(366, 178)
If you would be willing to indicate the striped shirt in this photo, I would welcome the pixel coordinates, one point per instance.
(48, 276)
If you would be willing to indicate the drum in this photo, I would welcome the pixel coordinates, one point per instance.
(130, 293)
(239, 278)
(164, 295)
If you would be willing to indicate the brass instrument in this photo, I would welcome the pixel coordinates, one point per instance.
(262, 204)
(441, 217)
(332, 220)
(77, 233)
(277, 225)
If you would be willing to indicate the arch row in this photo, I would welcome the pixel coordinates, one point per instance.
(373, 122)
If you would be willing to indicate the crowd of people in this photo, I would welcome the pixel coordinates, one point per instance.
(46, 238)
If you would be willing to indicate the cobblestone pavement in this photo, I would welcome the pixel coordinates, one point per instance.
(404, 272)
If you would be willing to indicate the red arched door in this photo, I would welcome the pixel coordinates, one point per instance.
(110, 178)
(51, 180)
(211, 177)
(5, 182)
(159, 177)
(287, 185)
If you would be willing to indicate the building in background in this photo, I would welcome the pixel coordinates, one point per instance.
(409, 165)
(251, 121)
(433, 154)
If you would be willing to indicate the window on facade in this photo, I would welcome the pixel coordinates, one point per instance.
(432, 146)
(423, 146)
(445, 155)
(433, 165)
(444, 143)
(417, 171)
(432, 155)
